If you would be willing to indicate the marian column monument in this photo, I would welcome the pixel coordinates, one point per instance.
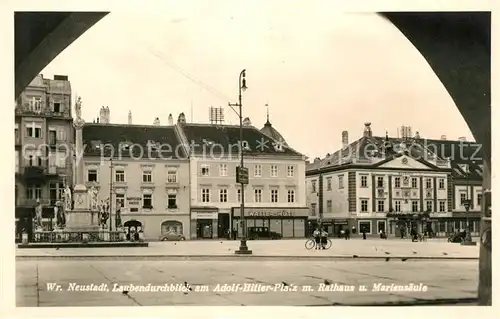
(80, 217)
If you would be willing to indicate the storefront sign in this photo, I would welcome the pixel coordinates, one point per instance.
(204, 215)
(273, 212)
(134, 201)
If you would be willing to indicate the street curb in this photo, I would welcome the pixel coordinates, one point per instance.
(242, 257)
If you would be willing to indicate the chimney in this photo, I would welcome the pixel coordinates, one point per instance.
(156, 122)
(129, 117)
(317, 159)
(462, 138)
(181, 119)
(368, 130)
(170, 119)
(97, 120)
(443, 137)
(247, 122)
(417, 135)
(345, 139)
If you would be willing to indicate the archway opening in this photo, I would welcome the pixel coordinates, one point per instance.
(132, 229)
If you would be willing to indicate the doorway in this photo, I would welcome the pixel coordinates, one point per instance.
(132, 229)
(381, 226)
(223, 228)
(204, 228)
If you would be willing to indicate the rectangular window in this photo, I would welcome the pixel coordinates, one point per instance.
(397, 182)
(441, 183)
(57, 107)
(61, 134)
(290, 169)
(380, 181)
(329, 206)
(479, 199)
(313, 209)
(205, 195)
(223, 195)
(341, 181)
(223, 169)
(52, 137)
(257, 170)
(274, 170)
(171, 175)
(414, 206)
(428, 183)
(205, 170)
(60, 159)
(428, 206)
(120, 176)
(364, 181)
(34, 191)
(38, 132)
(92, 175)
(442, 206)
(313, 186)
(380, 206)
(397, 206)
(120, 200)
(364, 205)
(16, 134)
(147, 177)
(414, 182)
(329, 184)
(238, 195)
(463, 198)
(147, 201)
(291, 196)
(172, 201)
(274, 195)
(258, 195)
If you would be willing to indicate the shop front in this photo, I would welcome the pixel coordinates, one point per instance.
(204, 223)
(288, 222)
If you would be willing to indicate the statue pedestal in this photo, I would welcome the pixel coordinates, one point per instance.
(81, 218)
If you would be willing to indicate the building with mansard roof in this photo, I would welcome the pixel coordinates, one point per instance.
(275, 198)
(145, 172)
(386, 183)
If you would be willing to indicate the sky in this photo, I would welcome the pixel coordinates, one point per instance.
(319, 72)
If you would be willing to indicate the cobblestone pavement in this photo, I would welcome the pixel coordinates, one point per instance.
(444, 280)
(285, 248)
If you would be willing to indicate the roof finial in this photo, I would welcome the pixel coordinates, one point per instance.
(267, 107)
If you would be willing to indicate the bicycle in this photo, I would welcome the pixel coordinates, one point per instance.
(311, 243)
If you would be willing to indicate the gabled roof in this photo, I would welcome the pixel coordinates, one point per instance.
(224, 139)
(367, 147)
(131, 140)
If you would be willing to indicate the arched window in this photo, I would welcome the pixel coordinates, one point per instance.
(171, 226)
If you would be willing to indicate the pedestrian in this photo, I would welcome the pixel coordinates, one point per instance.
(347, 234)
(324, 238)
(342, 233)
(316, 235)
(353, 230)
(364, 233)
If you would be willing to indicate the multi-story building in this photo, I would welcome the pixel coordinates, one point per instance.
(375, 182)
(275, 196)
(43, 145)
(144, 171)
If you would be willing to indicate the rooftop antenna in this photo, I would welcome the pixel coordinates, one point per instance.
(267, 108)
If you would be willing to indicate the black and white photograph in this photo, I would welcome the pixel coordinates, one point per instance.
(249, 153)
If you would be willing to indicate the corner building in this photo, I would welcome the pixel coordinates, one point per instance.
(44, 136)
(145, 172)
(274, 198)
(381, 183)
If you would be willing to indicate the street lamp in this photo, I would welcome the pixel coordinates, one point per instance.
(242, 171)
(468, 238)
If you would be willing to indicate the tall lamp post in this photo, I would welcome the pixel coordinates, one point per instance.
(110, 191)
(468, 238)
(242, 171)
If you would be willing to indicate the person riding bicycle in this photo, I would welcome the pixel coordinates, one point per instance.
(316, 235)
(324, 238)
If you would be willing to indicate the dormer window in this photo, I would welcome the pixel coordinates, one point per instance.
(245, 146)
(153, 145)
(278, 147)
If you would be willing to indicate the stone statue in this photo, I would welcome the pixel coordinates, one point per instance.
(56, 213)
(61, 216)
(118, 218)
(38, 215)
(67, 198)
(78, 107)
(104, 214)
(93, 194)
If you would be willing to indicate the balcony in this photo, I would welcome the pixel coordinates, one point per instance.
(26, 110)
(38, 173)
